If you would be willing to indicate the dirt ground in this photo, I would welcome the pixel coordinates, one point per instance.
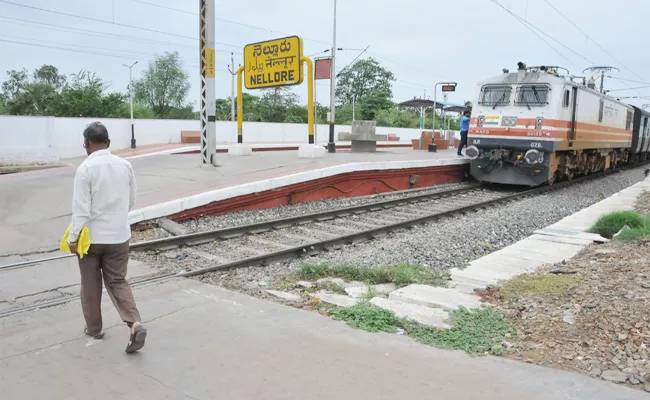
(598, 323)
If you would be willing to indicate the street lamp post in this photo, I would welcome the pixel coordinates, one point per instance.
(354, 100)
(331, 146)
(130, 67)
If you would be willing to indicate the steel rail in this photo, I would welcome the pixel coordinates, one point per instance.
(259, 227)
(321, 245)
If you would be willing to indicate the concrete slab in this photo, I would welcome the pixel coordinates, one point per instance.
(361, 291)
(335, 299)
(566, 232)
(291, 297)
(252, 349)
(560, 239)
(311, 151)
(429, 296)
(172, 227)
(240, 150)
(433, 317)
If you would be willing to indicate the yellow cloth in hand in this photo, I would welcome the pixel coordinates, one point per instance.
(83, 244)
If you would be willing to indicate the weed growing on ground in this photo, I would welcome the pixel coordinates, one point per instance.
(283, 286)
(333, 287)
(369, 318)
(535, 285)
(400, 275)
(473, 331)
(608, 225)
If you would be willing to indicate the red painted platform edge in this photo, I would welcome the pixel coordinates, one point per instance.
(291, 148)
(352, 184)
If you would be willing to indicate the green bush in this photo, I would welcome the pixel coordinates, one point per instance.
(608, 225)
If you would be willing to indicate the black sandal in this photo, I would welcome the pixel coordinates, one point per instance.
(136, 342)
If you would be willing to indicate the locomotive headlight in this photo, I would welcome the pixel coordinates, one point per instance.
(472, 152)
(534, 157)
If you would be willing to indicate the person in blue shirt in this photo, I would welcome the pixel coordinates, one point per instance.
(464, 128)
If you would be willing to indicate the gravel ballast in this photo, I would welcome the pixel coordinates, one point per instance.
(439, 245)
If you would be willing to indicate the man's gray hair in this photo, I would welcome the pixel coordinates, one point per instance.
(96, 133)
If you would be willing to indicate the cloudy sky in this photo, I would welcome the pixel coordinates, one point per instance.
(420, 41)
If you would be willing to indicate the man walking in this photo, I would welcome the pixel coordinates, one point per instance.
(464, 128)
(104, 193)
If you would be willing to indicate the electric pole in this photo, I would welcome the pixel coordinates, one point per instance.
(130, 67)
(331, 146)
(233, 73)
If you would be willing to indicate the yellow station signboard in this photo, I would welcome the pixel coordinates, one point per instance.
(273, 63)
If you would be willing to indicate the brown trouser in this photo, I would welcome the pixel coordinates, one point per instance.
(109, 261)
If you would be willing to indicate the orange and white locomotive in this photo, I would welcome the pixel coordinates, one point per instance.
(536, 126)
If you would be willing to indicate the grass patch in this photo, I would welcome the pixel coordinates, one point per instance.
(536, 285)
(400, 275)
(634, 234)
(608, 225)
(369, 318)
(473, 331)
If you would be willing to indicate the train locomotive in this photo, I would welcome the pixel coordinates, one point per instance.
(536, 126)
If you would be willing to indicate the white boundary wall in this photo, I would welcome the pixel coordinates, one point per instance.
(31, 140)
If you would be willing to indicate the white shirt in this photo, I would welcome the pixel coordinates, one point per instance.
(104, 193)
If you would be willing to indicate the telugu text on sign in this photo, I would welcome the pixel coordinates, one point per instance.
(273, 63)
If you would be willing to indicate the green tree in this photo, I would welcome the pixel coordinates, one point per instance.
(223, 109)
(297, 115)
(84, 97)
(38, 96)
(374, 101)
(164, 85)
(362, 78)
(250, 106)
(468, 104)
(275, 102)
(182, 113)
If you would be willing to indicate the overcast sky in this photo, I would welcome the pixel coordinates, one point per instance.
(420, 41)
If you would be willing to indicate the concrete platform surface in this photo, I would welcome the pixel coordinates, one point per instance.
(207, 343)
(35, 206)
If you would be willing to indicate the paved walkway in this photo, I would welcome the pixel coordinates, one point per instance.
(35, 206)
(207, 343)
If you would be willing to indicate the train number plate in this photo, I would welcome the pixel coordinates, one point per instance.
(539, 134)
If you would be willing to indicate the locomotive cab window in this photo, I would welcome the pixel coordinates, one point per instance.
(495, 95)
(532, 95)
(567, 99)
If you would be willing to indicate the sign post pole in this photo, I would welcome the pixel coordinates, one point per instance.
(310, 97)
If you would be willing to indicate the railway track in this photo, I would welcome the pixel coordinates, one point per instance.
(287, 238)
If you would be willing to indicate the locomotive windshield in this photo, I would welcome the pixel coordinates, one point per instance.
(532, 95)
(494, 95)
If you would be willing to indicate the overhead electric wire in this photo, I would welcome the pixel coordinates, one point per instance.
(528, 26)
(113, 55)
(86, 32)
(223, 20)
(592, 40)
